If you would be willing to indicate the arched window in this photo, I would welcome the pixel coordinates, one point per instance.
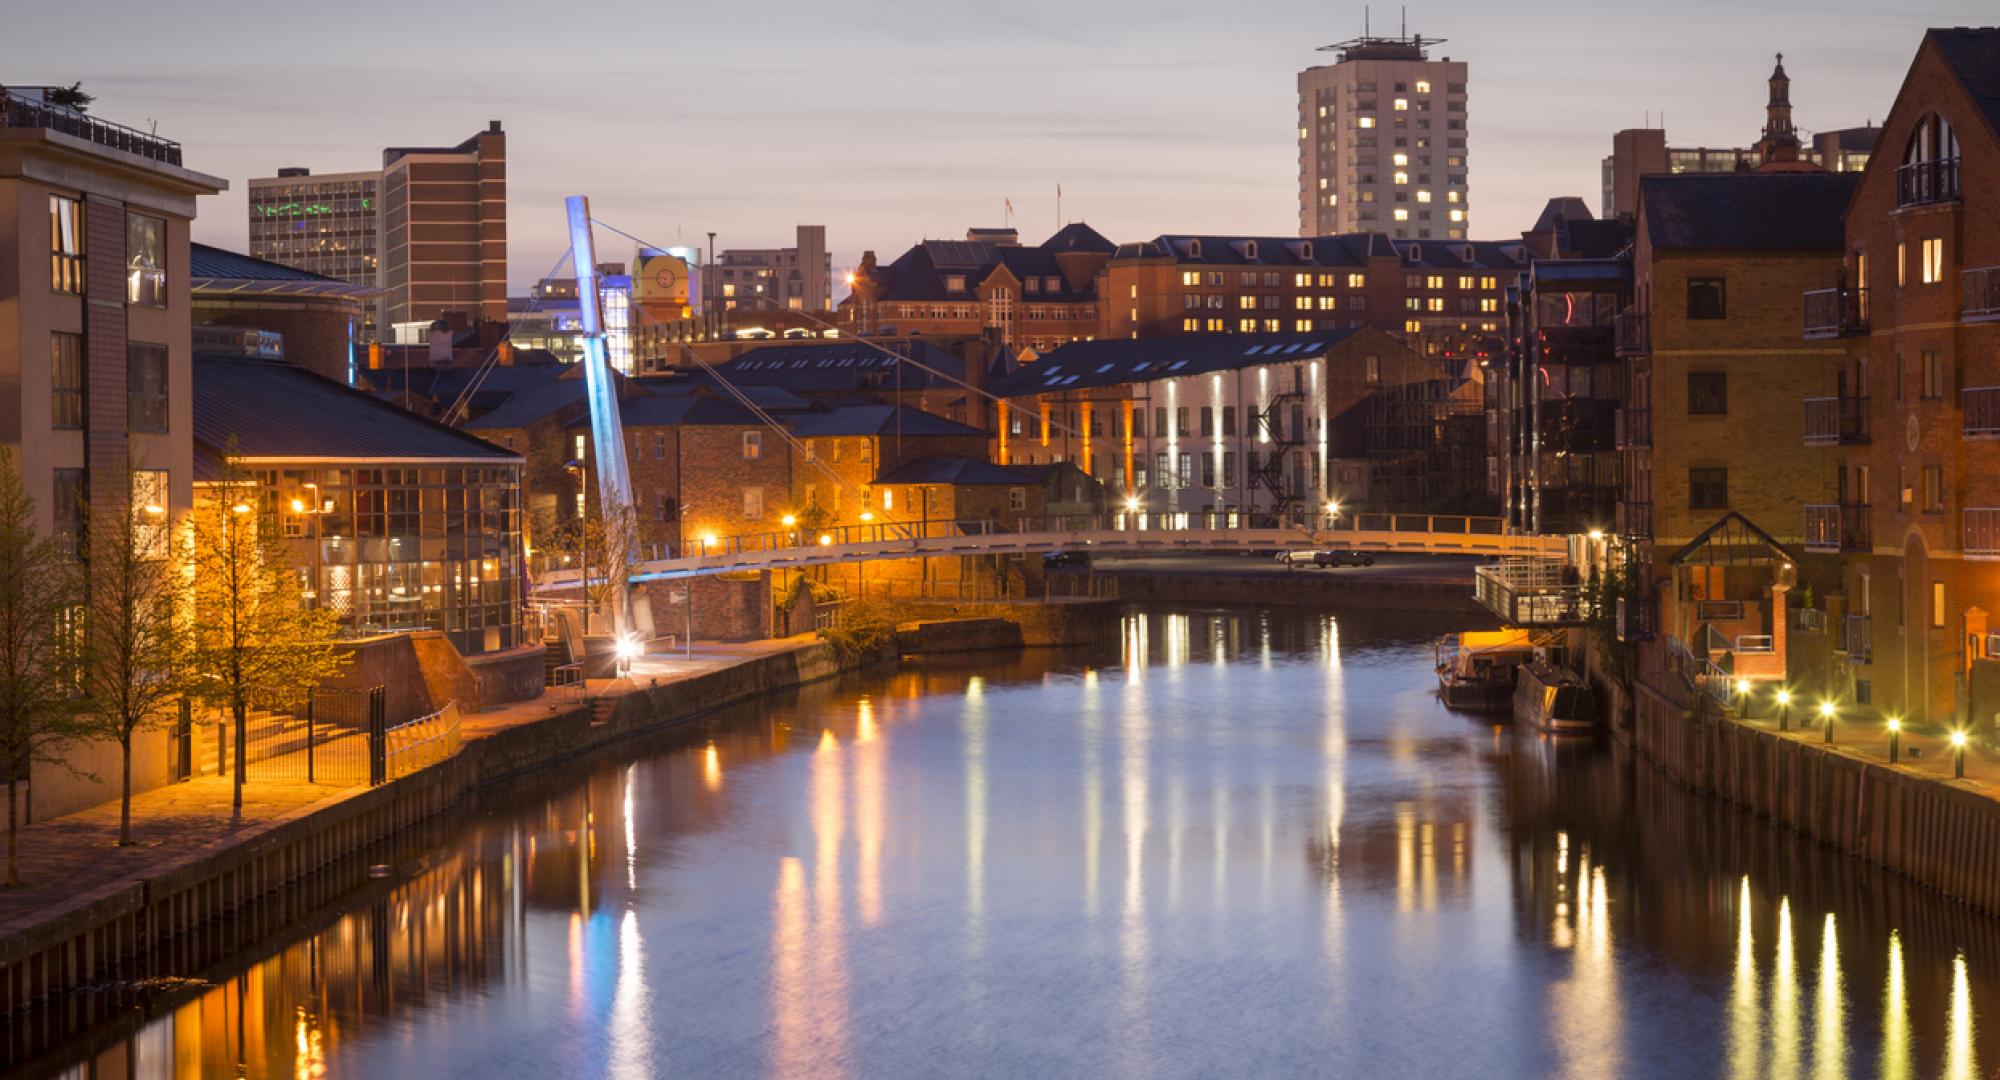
(1929, 172)
(1194, 249)
(1249, 249)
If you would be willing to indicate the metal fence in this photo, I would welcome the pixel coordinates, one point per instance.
(323, 739)
(418, 743)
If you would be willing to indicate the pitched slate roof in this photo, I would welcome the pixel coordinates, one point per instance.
(922, 272)
(274, 410)
(1081, 365)
(1746, 211)
(954, 470)
(530, 404)
(662, 410)
(1974, 56)
(877, 420)
(1349, 250)
(843, 367)
(214, 269)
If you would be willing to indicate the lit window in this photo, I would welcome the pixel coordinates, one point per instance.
(1451, 196)
(1933, 259)
(1434, 281)
(1302, 133)
(146, 260)
(1413, 326)
(1402, 214)
(1423, 87)
(1356, 281)
(66, 244)
(1423, 196)
(1366, 121)
(1458, 215)
(753, 445)
(1402, 178)
(1190, 277)
(888, 498)
(1400, 159)
(1322, 183)
(1402, 104)
(1435, 303)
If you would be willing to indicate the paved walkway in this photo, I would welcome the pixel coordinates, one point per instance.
(1925, 751)
(67, 858)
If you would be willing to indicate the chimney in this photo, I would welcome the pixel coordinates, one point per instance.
(440, 343)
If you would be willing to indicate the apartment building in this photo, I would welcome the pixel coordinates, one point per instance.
(753, 280)
(1910, 497)
(97, 322)
(326, 225)
(1382, 142)
(1223, 423)
(1446, 298)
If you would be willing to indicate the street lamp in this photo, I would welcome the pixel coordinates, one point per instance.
(1826, 711)
(1784, 709)
(1958, 755)
(1895, 738)
(1743, 697)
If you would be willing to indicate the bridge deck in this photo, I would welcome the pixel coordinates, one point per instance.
(1135, 533)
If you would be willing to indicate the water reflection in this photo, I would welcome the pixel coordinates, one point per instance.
(1089, 864)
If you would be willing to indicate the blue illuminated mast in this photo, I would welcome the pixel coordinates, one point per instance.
(607, 432)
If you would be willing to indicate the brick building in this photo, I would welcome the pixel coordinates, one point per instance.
(443, 232)
(1909, 490)
(1447, 297)
(1032, 297)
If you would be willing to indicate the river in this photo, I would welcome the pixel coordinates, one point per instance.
(1232, 844)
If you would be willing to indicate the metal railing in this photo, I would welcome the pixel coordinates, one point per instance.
(1811, 620)
(418, 743)
(1836, 312)
(1859, 646)
(1635, 428)
(1635, 333)
(1700, 673)
(1927, 182)
(1837, 527)
(1979, 294)
(20, 111)
(1532, 592)
(1635, 519)
(1718, 610)
(1837, 421)
(1981, 407)
(1756, 644)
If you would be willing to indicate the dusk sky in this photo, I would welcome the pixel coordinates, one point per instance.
(893, 121)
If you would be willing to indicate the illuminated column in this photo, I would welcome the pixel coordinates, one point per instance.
(1005, 420)
(1045, 421)
(1084, 432)
(1131, 478)
(1216, 406)
(1171, 436)
(614, 484)
(1319, 402)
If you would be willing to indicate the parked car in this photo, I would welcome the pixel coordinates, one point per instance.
(1295, 559)
(1066, 560)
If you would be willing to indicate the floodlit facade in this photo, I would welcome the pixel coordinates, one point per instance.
(1382, 142)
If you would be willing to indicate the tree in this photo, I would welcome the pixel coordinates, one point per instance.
(602, 552)
(131, 632)
(71, 97)
(40, 602)
(252, 641)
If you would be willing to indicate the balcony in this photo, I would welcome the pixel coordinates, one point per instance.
(1927, 182)
(1635, 520)
(1859, 646)
(1578, 344)
(1982, 532)
(19, 110)
(1837, 421)
(1635, 429)
(1834, 313)
(1578, 425)
(1635, 333)
(1981, 407)
(1837, 527)
(1532, 592)
(1980, 294)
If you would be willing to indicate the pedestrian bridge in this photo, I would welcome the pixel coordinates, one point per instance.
(1120, 534)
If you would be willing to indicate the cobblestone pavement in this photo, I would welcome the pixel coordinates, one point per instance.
(69, 859)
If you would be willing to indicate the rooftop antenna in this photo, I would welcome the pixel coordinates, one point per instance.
(1404, 29)
(1364, 20)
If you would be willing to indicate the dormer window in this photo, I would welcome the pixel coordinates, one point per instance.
(1194, 249)
(1033, 284)
(1306, 250)
(1249, 249)
(954, 283)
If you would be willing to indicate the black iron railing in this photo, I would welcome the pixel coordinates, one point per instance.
(1837, 527)
(1635, 333)
(1981, 408)
(18, 110)
(1927, 182)
(1980, 293)
(1837, 421)
(1840, 312)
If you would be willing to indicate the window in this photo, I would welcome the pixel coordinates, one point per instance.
(888, 498)
(1181, 420)
(72, 506)
(1207, 421)
(1708, 489)
(1366, 122)
(1934, 376)
(1190, 277)
(1902, 260)
(1933, 489)
(753, 502)
(1933, 252)
(665, 509)
(146, 387)
(150, 526)
(145, 260)
(660, 446)
(66, 380)
(1357, 281)
(1374, 369)
(1229, 420)
(1208, 470)
(753, 445)
(1705, 299)
(954, 283)
(65, 244)
(1708, 393)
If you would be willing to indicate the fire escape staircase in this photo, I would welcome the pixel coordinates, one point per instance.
(1267, 470)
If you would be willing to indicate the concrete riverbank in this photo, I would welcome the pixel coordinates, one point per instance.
(199, 880)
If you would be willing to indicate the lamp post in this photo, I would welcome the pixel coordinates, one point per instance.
(1743, 698)
(1784, 709)
(1826, 711)
(1895, 738)
(1958, 755)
